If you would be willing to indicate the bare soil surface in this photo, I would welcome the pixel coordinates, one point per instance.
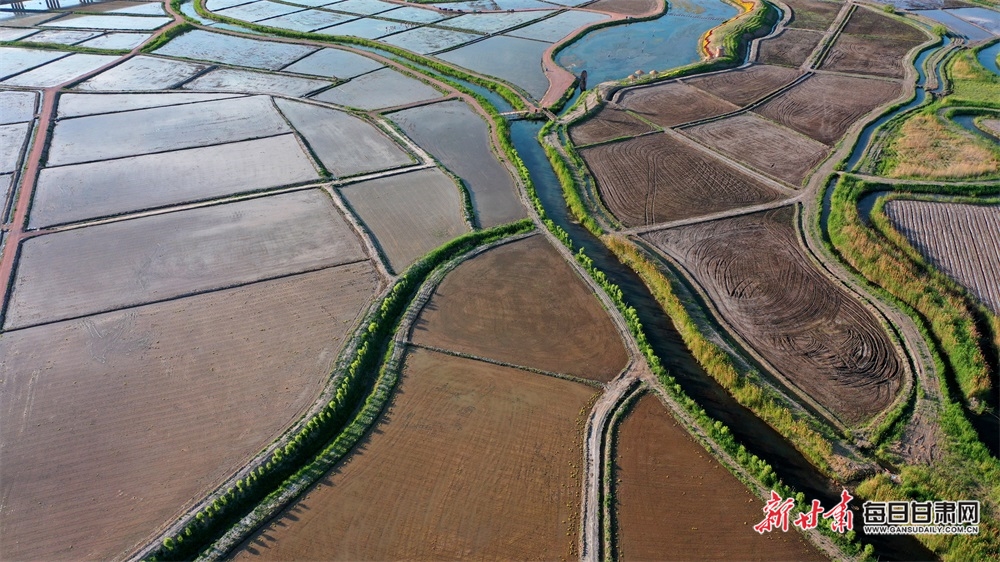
(657, 178)
(874, 24)
(745, 85)
(992, 125)
(115, 265)
(502, 305)
(673, 103)
(824, 106)
(960, 240)
(470, 460)
(608, 123)
(791, 47)
(769, 148)
(813, 14)
(409, 214)
(672, 495)
(460, 139)
(876, 56)
(111, 424)
(812, 331)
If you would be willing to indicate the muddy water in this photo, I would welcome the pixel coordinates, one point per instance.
(756, 436)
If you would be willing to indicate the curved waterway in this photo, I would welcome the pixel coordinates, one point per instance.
(758, 437)
(988, 58)
(612, 53)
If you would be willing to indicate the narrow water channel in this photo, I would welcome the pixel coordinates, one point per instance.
(758, 437)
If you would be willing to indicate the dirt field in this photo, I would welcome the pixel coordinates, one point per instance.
(820, 108)
(101, 268)
(657, 178)
(765, 146)
(408, 214)
(455, 135)
(876, 56)
(500, 305)
(960, 240)
(812, 14)
(472, 460)
(607, 124)
(809, 329)
(624, 7)
(745, 85)
(791, 48)
(671, 494)
(875, 24)
(112, 424)
(673, 103)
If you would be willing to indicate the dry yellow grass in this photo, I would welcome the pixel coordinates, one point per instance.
(927, 148)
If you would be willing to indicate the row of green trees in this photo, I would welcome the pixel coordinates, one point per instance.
(330, 433)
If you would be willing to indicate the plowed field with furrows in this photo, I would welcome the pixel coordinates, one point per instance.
(791, 48)
(765, 146)
(745, 85)
(813, 332)
(824, 106)
(607, 124)
(876, 56)
(657, 178)
(960, 240)
(812, 14)
(673, 103)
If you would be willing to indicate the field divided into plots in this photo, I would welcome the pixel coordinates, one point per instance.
(745, 85)
(874, 44)
(126, 263)
(673, 103)
(670, 493)
(809, 329)
(408, 214)
(458, 138)
(607, 124)
(657, 178)
(470, 459)
(769, 148)
(113, 423)
(820, 107)
(500, 305)
(960, 240)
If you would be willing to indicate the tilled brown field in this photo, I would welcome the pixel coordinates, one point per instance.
(500, 305)
(764, 145)
(824, 106)
(791, 48)
(960, 240)
(607, 124)
(874, 24)
(658, 178)
(471, 460)
(745, 85)
(113, 423)
(673, 103)
(813, 333)
(672, 494)
(813, 14)
(877, 56)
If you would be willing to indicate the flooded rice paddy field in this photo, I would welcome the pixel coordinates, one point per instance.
(460, 140)
(380, 89)
(408, 214)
